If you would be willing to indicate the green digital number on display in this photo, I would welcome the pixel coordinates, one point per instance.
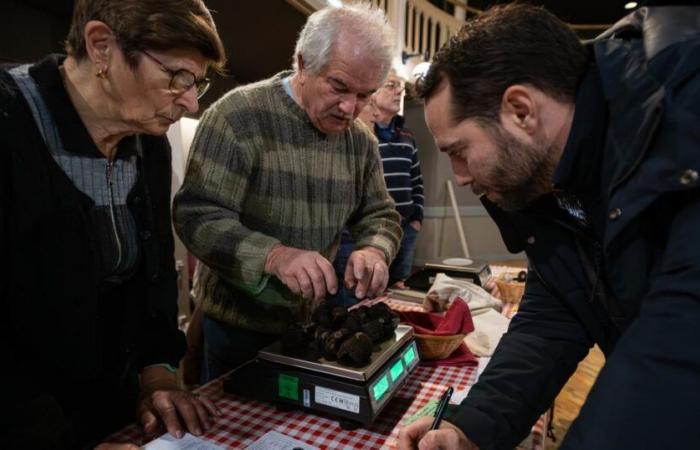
(288, 387)
(380, 388)
(409, 356)
(396, 370)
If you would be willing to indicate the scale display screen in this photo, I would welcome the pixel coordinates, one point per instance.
(409, 356)
(380, 387)
(396, 370)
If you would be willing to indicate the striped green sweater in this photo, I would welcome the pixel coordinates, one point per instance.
(260, 173)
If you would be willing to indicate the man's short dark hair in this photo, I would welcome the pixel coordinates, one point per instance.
(507, 45)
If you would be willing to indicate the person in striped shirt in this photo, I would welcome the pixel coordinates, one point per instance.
(402, 175)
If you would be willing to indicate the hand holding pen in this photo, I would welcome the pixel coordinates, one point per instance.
(432, 433)
(441, 407)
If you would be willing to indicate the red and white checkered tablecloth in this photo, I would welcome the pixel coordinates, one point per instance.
(243, 421)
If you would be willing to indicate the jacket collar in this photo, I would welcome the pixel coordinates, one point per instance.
(662, 26)
(578, 171)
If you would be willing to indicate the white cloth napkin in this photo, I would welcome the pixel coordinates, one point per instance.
(489, 324)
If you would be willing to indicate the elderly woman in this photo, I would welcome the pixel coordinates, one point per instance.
(89, 335)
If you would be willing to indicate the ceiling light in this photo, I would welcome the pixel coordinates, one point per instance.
(630, 5)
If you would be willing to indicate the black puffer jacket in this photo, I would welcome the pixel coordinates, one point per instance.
(630, 282)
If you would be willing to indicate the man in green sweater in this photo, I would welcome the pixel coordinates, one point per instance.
(276, 170)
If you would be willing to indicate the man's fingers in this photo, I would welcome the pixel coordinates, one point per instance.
(360, 269)
(331, 280)
(363, 275)
(410, 435)
(306, 288)
(318, 282)
(439, 439)
(292, 283)
(379, 280)
(349, 277)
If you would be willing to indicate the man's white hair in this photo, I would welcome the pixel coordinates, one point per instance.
(360, 22)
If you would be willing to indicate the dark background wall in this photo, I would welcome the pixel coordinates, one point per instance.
(259, 36)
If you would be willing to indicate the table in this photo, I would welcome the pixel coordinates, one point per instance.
(244, 420)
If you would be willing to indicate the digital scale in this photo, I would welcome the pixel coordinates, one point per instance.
(354, 395)
(474, 270)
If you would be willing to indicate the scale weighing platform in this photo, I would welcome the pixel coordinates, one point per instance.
(474, 270)
(354, 395)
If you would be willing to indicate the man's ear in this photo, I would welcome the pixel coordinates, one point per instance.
(301, 69)
(99, 41)
(519, 108)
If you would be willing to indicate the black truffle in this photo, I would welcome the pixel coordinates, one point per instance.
(352, 324)
(356, 350)
(374, 330)
(329, 346)
(342, 334)
(338, 316)
(360, 314)
(322, 315)
(314, 351)
(378, 310)
(321, 333)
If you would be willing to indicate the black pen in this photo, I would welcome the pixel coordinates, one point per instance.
(442, 406)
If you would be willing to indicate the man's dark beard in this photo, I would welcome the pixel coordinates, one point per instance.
(523, 172)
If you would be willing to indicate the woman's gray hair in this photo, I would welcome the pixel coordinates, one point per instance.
(358, 21)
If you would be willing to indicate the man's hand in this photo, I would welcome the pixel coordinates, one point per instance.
(415, 224)
(419, 436)
(367, 272)
(164, 404)
(304, 272)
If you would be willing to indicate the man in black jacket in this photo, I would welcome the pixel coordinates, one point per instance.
(587, 158)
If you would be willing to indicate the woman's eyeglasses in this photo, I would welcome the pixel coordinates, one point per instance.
(182, 80)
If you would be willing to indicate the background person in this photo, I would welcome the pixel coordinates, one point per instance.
(402, 176)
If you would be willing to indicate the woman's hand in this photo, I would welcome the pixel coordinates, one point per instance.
(163, 404)
(113, 446)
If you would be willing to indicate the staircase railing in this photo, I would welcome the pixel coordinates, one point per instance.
(421, 28)
(427, 28)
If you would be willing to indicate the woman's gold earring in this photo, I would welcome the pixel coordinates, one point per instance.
(101, 73)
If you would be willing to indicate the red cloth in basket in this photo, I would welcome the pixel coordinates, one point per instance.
(457, 320)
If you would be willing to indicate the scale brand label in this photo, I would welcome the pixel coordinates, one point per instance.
(337, 399)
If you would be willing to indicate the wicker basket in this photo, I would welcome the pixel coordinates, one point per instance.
(437, 347)
(511, 291)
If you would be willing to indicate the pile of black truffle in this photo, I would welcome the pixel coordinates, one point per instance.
(338, 334)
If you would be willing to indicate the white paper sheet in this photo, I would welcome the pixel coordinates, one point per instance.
(188, 442)
(272, 440)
